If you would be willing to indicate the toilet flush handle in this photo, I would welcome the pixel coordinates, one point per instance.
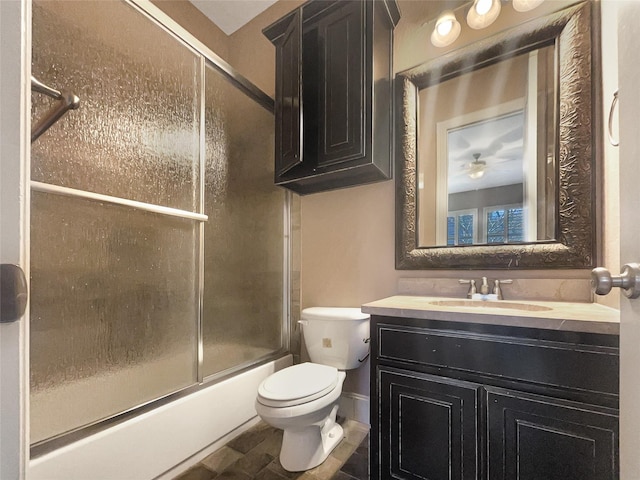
(368, 342)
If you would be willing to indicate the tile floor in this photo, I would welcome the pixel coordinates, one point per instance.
(254, 456)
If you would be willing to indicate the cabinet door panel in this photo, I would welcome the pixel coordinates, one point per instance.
(428, 426)
(539, 438)
(288, 95)
(342, 89)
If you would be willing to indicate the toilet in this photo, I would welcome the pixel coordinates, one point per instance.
(303, 399)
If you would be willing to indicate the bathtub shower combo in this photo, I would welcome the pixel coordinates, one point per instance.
(159, 245)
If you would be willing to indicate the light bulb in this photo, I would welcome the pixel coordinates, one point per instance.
(477, 174)
(447, 29)
(526, 5)
(483, 13)
(483, 6)
(444, 28)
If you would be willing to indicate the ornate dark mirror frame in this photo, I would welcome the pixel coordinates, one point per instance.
(578, 145)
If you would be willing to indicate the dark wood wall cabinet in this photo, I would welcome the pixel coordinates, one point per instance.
(454, 401)
(333, 110)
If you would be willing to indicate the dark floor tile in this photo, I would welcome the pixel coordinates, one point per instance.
(221, 459)
(363, 448)
(342, 476)
(277, 467)
(233, 474)
(199, 472)
(357, 466)
(254, 456)
(253, 462)
(355, 431)
(271, 444)
(325, 470)
(343, 451)
(251, 438)
(268, 474)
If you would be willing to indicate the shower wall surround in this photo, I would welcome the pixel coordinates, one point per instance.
(125, 302)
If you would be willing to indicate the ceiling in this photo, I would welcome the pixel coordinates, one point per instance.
(230, 15)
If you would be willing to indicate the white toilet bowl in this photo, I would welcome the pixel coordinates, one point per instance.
(303, 399)
(308, 421)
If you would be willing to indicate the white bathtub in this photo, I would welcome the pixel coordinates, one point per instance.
(153, 443)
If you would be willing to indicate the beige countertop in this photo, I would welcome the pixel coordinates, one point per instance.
(569, 316)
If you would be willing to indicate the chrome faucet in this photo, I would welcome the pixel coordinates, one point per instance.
(484, 287)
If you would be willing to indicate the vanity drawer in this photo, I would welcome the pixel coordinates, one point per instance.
(565, 365)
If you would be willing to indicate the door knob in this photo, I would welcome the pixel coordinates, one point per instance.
(13, 292)
(629, 280)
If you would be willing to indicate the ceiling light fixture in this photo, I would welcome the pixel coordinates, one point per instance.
(477, 167)
(476, 174)
(526, 5)
(483, 13)
(447, 29)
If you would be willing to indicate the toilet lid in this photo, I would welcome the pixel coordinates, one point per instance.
(297, 384)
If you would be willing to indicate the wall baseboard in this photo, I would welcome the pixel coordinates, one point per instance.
(354, 406)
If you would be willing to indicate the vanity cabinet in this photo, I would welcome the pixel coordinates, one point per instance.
(454, 400)
(333, 108)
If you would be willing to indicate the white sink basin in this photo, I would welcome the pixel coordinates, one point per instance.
(490, 304)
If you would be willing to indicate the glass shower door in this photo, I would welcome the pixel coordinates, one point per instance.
(114, 305)
(244, 258)
(158, 239)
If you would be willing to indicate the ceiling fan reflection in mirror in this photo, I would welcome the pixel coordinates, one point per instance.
(487, 153)
(476, 169)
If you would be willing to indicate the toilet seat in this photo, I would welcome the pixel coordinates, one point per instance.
(297, 384)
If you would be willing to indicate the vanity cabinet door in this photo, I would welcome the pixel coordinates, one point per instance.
(428, 426)
(531, 437)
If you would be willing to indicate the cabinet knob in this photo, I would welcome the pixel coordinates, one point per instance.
(629, 280)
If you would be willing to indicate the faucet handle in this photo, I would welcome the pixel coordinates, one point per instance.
(496, 286)
(472, 286)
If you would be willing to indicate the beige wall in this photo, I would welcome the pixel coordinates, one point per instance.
(197, 24)
(252, 54)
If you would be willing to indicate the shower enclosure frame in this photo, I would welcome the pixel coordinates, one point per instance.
(207, 58)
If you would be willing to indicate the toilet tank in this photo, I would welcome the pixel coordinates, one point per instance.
(338, 337)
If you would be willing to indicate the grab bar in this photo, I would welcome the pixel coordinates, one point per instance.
(67, 101)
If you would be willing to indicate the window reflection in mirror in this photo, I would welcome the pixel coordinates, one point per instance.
(486, 154)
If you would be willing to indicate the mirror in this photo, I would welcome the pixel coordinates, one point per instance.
(496, 150)
(492, 151)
